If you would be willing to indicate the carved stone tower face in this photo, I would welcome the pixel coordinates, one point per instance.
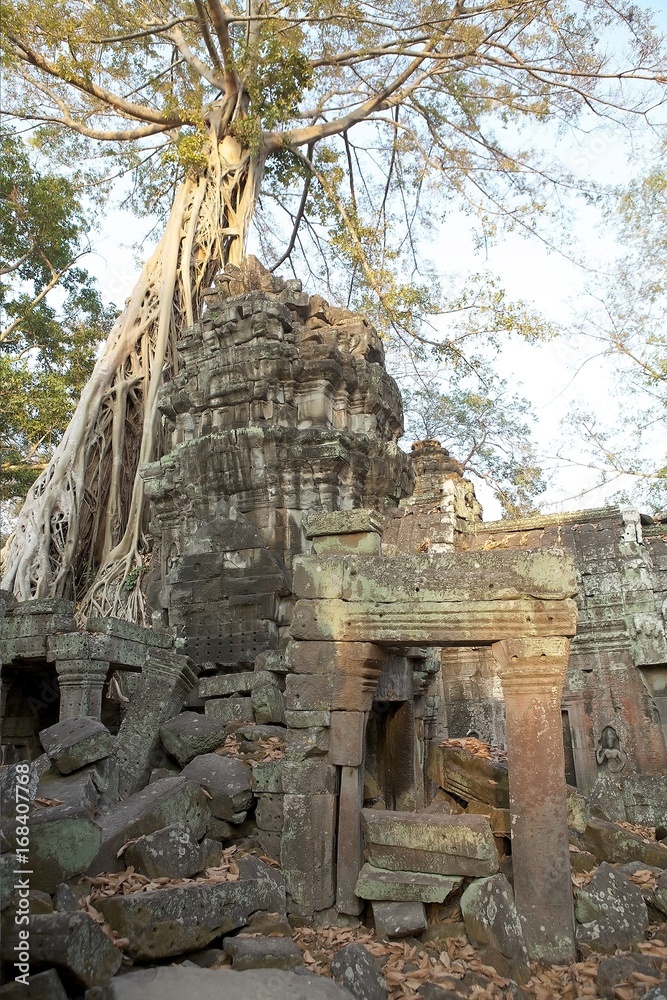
(282, 407)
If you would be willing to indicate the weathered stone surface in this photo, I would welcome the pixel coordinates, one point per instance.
(175, 920)
(190, 734)
(354, 967)
(468, 777)
(444, 623)
(262, 953)
(12, 775)
(502, 575)
(63, 842)
(307, 851)
(302, 744)
(657, 896)
(268, 704)
(168, 801)
(430, 842)
(609, 842)
(381, 884)
(306, 719)
(617, 969)
(657, 993)
(343, 522)
(226, 779)
(645, 797)
(346, 745)
(243, 682)
(610, 912)
(398, 920)
(165, 680)
(78, 790)
(175, 983)
(42, 986)
(65, 900)
(269, 812)
(492, 924)
(118, 628)
(308, 692)
(172, 852)
(267, 776)
(253, 869)
(76, 742)
(308, 776)
(74, 943)
(232, 709)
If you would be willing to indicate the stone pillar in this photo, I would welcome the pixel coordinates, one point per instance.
(532, 672)
(164, 682)
(81, 684)
(346, 750)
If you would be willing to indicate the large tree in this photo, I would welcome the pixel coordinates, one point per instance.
(345, 116)
(51, 316)
(625, 322)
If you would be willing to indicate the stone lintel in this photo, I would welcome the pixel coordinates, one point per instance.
(120, 629)
(343, 522)
(438, 623)
(514, 574)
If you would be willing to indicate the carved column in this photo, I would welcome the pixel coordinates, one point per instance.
(532, 672)
(81, 684)
(165, 680)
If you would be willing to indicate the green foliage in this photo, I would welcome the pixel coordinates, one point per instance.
(46, 352)
(487, 429)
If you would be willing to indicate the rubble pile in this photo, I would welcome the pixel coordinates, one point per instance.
(177, 873)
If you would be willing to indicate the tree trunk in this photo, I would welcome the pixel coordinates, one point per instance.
(81, 532)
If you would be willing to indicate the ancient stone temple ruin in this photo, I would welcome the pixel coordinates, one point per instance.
(335, 634)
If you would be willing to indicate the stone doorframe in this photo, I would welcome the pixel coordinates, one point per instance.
(353, 603)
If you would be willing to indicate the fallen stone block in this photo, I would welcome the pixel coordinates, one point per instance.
(658, 992)
(610, 913)
(398, 920)
(42, 986)
(252, 868)
(64, 899)
(189, 735)
(165, 802)
(12, 775)
(72, 942)
(226, 779)
(172, 852)
(460, 773)
(175, 983)
(77, 790)
(243, 682)
(381, 884)
(612, 843)
(63, 842)
(430, 842)
(233, 709)
(73, 743)
(615, 971)
(262, 953)
(493, 926)
(175, 920)
(268, 704)
(655, 895)
(645, 797)
(354, 967)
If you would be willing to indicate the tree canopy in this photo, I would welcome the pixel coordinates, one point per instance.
(355, 123)
(625, 323)
(46, 350)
